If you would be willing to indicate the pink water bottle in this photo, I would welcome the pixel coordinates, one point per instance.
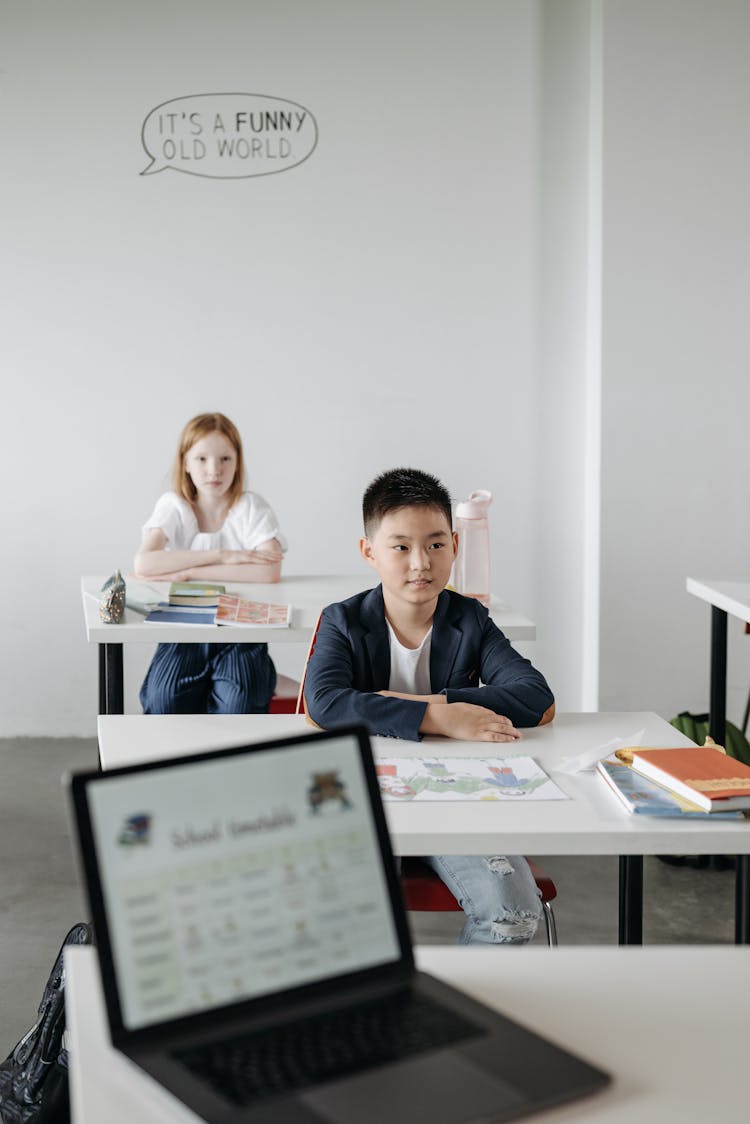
(472, 567)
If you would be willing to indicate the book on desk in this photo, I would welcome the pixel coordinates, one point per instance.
(233, 610)
(164, 613)
(229, 610)
(195, 593)
(704, 775)
(641, 796)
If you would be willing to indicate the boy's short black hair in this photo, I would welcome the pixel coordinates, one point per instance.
(402, 487)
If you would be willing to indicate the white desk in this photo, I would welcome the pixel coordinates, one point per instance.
(729, 596)
(308, 594)
(726, 597)
(592, 822)
(676, 1059)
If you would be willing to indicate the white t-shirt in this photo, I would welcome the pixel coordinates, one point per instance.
(249, 523)
(410, 667)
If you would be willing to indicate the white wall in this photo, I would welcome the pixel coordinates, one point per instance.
(568, 516)
(423, 289)
(373, 306)
(676, 391)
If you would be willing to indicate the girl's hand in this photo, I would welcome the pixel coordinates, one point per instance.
(169, 576)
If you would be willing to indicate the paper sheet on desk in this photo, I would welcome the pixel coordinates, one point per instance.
(142, 597)
(464, 778)
(589, 758)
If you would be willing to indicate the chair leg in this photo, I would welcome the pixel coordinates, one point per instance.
(549, 921)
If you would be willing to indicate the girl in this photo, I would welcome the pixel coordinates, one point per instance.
(209, 529)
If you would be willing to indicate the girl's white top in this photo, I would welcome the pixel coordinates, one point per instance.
(249, 523)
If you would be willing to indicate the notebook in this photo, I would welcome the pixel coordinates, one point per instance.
(255, 954)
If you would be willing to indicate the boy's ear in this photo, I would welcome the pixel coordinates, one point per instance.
(365, 549)
(454, 535)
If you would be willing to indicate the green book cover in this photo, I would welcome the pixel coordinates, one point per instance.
(195, 593)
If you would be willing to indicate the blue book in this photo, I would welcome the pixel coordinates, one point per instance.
(645, 797)
(172, 614)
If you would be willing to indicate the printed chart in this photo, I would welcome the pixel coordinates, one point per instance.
(464, 778)
(219, 929)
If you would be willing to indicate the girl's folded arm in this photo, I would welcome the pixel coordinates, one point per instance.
(153, 561)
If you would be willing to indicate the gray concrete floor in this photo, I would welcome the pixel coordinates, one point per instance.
(40, 896)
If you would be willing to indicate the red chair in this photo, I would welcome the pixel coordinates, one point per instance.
(301, 707)
(284, 699)
(424, 892)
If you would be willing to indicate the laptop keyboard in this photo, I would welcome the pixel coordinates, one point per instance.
(290, 1057)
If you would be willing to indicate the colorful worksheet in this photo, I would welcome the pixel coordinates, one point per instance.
(464, 778)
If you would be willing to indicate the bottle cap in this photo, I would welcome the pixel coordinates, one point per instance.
(476, 505)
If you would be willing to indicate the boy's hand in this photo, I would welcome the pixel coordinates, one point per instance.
(468, 722)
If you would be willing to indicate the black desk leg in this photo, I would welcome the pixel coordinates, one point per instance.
(718, 703)
(631, 899)
(102, 679)
(111, 693)
(717, 727)
(742, 901)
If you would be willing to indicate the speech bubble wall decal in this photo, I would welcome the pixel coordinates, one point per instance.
(228, 136)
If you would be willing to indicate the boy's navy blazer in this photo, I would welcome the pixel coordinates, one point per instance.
(470, 661)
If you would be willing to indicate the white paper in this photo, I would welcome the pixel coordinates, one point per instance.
(517, 778)
(589, 757)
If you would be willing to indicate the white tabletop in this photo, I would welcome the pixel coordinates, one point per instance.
(731, 596)
(307, 594)
(669, 1023)
(591, 822)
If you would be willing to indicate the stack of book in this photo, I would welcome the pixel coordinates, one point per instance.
(194, 603)
(188, 603)
(195, 593)
(674, 782)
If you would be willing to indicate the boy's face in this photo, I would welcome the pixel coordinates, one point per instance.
(412, 550)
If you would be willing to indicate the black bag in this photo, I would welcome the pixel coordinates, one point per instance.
(34, 1076)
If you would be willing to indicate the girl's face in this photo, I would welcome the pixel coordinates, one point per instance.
(211, 463)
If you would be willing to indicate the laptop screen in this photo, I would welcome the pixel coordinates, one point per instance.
(234, 876)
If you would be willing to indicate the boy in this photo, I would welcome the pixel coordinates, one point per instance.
(407, 658)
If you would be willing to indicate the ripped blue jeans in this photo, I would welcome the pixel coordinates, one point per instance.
(497, 893)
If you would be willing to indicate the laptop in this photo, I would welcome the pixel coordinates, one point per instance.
(255, 954)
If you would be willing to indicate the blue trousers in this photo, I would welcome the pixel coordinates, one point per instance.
(497, 893)
(209, 679)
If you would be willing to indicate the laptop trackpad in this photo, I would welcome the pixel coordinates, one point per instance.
(441, 1087)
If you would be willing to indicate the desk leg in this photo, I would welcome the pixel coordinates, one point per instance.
(718, 701)
(102, 679)
(742, 901)
(631, 899)
(717, 727)
(111, 692)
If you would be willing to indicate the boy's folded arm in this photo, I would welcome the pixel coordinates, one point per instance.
(512, 686)
(332, 698)
(524, 705)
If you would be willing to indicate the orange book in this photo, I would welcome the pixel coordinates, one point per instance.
(234, 610)
(705, 776)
